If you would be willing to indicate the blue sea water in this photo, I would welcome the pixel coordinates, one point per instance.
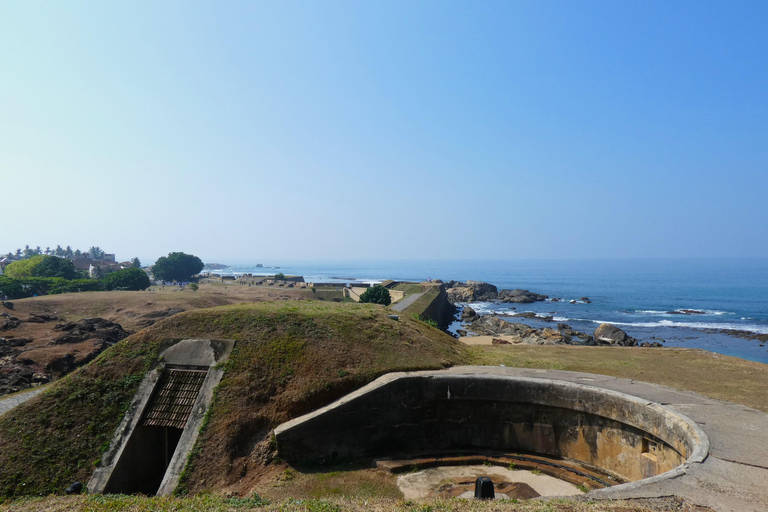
(637, 295)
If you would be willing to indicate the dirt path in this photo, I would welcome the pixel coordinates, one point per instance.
(9, 402)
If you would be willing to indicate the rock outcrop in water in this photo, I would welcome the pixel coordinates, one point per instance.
(478, 291)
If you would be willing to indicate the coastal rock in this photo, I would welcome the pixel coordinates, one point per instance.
(533, 316)
(492, 325)
(520, 296)
(471, 291)
(608, 334)
(650, 344)
(461, 332)
(686, 312)
(586, 300)
(468, 313)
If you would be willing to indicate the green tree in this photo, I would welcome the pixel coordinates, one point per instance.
(280, 276)
(177, 266)
(23, 268)
(136, 263)
(131, 278)
(376, 294)
(52, 266)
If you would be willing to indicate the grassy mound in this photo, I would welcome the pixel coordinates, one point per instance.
(290, 358)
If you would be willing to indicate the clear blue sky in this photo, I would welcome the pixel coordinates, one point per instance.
(386, 130)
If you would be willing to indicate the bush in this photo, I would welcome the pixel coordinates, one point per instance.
(19, 288)
(280, 276)
(377, 295)
(177, 266)
(127, 279)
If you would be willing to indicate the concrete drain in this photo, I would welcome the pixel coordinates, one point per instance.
(584, 436)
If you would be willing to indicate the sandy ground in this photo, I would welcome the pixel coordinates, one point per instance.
(422, 483)
(487, 340)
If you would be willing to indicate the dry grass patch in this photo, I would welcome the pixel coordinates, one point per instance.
(707, 373)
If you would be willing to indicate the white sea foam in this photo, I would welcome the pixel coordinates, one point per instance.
(757, 329)
(681, 311)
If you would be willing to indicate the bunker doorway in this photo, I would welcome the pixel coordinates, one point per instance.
(149, 450)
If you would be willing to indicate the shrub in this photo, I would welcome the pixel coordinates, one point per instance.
(377, 295)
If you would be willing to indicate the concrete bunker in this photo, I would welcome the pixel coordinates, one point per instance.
(151, 445)
(443, 418)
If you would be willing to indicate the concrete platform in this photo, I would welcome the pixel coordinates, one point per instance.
(734, 475)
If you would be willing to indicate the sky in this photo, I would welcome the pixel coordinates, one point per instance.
(362, 130)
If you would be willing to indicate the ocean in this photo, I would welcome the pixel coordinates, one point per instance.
(646, 298)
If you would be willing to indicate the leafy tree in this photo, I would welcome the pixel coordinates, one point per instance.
(52, 266)
(136, 263)
(280, 276)
(177, 266)
(42, 266)
(376, 294)
(194, 287)
(23, 268)
(58, 251)
(131, 278)
(28, 253)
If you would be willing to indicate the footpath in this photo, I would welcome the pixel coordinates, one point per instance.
(9, 402)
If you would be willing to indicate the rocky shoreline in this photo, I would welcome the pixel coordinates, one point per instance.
(519, 333)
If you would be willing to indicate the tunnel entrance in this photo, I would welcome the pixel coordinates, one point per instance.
(150, 448)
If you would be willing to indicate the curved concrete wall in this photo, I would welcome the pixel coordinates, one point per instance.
(437, 412)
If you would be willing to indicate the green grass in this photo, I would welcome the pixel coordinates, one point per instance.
(208, 503)
(290, 358)
(58, 437)
(408, 288)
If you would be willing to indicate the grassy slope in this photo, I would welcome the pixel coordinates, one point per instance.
(290, 358)
(57, 437)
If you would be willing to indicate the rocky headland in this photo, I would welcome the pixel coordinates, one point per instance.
(478, 291)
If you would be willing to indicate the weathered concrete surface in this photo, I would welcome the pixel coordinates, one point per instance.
(437, 412)
(734, 477)
(731, 476)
